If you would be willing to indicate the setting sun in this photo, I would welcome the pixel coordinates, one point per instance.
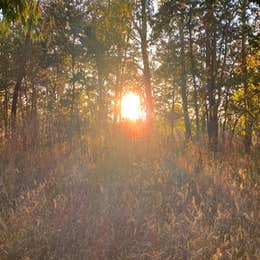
(131, 107)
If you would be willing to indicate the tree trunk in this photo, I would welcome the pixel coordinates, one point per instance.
(211, 81)
(225, 119)
(183, 83)
(73, 86)
(193, 72)
(6, 111)
(147, 72)
(248, 120)
(20, 76)
(117, 84)
(17, 88)
(100, 98)
(34, 115)
(172, 111)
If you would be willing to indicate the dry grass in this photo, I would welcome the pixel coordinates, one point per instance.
(128, 199)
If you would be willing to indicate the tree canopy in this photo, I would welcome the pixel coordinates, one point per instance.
(195, 62)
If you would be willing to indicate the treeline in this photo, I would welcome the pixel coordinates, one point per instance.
(65, 65)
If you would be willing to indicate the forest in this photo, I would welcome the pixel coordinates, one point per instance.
(129, 129)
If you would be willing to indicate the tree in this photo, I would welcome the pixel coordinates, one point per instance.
(172, 19)
(27, 24)
(183, 80)
(248, 120)
(141, 14)
(12, 9)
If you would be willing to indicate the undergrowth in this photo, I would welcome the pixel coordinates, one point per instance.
(116, 197)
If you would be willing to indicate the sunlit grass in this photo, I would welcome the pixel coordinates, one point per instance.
(126, 198)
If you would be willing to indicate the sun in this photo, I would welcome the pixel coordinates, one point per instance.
(131, 108)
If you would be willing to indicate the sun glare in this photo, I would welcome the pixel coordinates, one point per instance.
(131, 107)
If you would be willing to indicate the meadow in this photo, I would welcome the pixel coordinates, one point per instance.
(114, 197)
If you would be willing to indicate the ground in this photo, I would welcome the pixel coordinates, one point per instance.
(116, 197)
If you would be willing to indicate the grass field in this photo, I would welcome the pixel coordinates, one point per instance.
(146, 198)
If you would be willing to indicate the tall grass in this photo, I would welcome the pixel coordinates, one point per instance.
(115, 197)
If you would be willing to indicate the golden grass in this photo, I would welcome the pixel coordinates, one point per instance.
(113, 197)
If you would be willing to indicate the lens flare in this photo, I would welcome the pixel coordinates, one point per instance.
(131, 108)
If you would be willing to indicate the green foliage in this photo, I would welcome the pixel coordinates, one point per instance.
(12, 9)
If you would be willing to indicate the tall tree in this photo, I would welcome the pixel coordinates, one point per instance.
(172, 18)
(27, 24)
(193, 69)
(183, 80)
(211, 64)
(248, 121)
(142, 11)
